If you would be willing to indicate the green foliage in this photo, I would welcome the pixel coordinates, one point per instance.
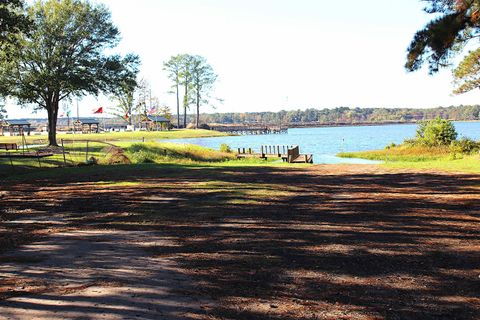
(225, 148)
(13, 22)
(455, 23)
(437, 132)
(124, 96)
(186, 62)
(2, 109)
(391, 145)
(64, 56)
(142, 156)
(173, 67)
(411, 153)
(196, 77)
(203, 79)
(465, 146)
(467, 74)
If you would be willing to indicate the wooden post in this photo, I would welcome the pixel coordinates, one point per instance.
(86, 154)
(11, 161)
(63, 151)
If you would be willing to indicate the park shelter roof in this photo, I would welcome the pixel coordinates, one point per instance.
(158, 119)
(16, 122)
(89, 121)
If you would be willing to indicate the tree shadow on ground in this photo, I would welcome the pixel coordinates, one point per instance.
(289, 243)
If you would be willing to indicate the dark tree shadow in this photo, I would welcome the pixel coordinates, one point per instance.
(289, 243)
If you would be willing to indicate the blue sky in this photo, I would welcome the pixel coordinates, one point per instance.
(284, 54)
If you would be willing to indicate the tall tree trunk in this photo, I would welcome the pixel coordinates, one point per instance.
(178, 108)
(184, 115)
(185, 104)
(197, 122)
(52, 110)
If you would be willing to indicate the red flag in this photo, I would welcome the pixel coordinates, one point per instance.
(99, 110)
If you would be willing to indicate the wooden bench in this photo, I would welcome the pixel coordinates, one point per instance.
(8, 146)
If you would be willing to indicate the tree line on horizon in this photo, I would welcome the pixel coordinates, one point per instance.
(345, 115)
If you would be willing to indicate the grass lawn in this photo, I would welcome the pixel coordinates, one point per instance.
(420, 158)
(121, 136)
(261, 242)
(164, 153)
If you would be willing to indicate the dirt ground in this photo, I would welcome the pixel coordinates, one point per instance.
(166, 242)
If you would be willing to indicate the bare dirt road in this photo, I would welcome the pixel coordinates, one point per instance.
(160, 242)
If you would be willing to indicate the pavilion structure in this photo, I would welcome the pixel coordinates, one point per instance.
(155, 123)
(15, 127)
(87, 125)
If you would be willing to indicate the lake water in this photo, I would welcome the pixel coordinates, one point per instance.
(325, 143)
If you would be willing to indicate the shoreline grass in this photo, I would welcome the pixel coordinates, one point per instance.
(420, 158)
(138, 154)
(401, 153)
(466, 164)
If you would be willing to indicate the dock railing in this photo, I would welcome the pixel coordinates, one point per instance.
(289, 154)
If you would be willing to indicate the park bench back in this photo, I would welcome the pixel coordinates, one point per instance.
(8, 146)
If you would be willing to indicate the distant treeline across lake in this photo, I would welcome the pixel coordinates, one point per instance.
(345, 116)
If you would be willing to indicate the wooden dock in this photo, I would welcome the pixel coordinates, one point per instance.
(250, 129)
(290, 154)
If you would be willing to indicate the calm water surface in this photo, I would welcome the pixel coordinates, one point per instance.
(325, 143)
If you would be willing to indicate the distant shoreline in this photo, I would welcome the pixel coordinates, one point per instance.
(360, 124)
(345, 124)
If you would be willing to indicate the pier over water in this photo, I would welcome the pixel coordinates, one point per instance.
(250, 129)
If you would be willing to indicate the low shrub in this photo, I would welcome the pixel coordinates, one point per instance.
(225, 148)
(168, 152)
(204, 126)
(142, 156)
(391, 145)
(116, 156)
(436, 132)
(465, 146)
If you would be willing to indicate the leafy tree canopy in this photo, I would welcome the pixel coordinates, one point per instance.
(124, 98)
(467, 74)
(203, 79)
(2, 109)
(12, 21)
(64, 56)
(456, 22)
